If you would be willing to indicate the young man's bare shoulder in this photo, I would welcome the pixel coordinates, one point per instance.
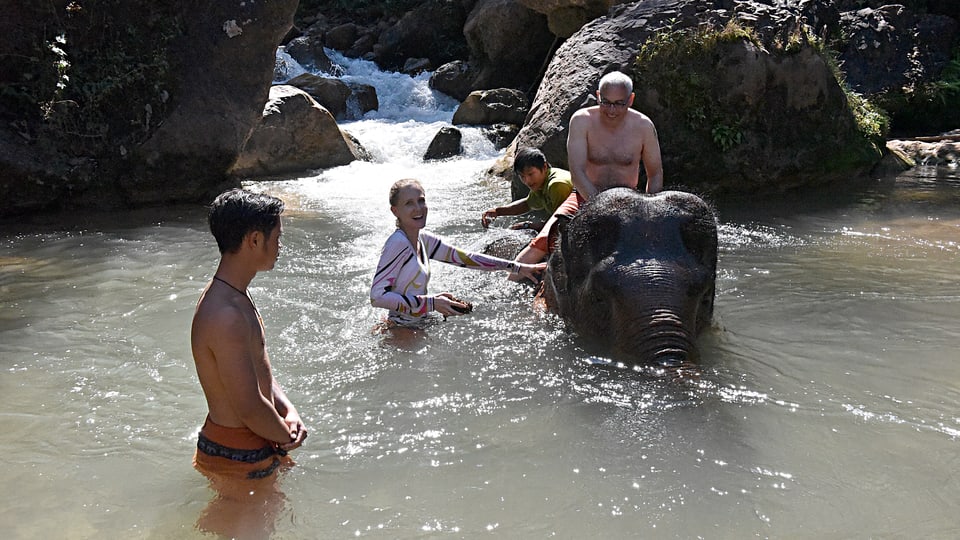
(217, 313)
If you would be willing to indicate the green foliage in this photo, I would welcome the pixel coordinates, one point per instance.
(726, 137)
(661, 60)
(872, 121)
(930, 106)
(683, 43)
(99, 76)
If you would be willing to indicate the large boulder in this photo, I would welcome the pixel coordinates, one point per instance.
(308, 51)
(345, 101)
(454, 79)
(508, 44)
(155, 113)
(768, 121)
(738, 115)
(227, 54)
(342, 36)
(487, 107)
(295, 134)
(565, 17)
(445, 144)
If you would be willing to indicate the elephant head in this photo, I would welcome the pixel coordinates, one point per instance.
(636, 274)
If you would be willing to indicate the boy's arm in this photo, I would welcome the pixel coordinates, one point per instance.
(290, 415)
(227, 334)
(515, 208)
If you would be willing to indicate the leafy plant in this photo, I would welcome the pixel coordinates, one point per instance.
(661, 60)
(726, 137)
(933, 105)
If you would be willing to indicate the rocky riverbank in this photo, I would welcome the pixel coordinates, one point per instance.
(163, 111)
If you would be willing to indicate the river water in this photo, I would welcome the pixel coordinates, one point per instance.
(827, 403)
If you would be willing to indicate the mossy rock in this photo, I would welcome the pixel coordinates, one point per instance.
(735, 115)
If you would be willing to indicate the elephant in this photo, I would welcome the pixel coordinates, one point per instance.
(636, 274)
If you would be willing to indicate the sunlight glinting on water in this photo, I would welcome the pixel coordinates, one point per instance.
(829, 367)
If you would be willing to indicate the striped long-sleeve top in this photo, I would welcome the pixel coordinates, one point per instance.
(400, 282)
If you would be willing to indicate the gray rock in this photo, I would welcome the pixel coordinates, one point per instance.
(501, 105)
(508, 44)
(341, 37)
(308, 51)
(295, 134)
(454, 79)
(445, 144)
(344, 101)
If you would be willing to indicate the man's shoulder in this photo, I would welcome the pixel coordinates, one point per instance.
(638, 117)
(584, 113)
(220, 314)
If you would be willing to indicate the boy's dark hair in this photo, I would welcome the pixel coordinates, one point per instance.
(237, 212)
(528, 157)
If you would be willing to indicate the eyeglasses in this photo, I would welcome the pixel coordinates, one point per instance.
(612, 104)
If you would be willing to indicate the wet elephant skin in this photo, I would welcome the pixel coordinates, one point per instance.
(635, 274)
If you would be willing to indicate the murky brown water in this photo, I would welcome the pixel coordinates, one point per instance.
(828, 403)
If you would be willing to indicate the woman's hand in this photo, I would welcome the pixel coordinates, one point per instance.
(449, 305)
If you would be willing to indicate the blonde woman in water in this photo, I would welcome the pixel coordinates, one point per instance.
(400, 281)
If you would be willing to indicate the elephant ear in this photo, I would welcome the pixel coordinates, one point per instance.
(588, 239)
(604, 235)
(699, 233)
(699, 230)
(558, 263)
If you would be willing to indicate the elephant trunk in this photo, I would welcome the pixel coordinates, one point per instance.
(659, 337)
(654, 313)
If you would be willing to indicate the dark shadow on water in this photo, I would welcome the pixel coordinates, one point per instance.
(929, 187)
(94, 220)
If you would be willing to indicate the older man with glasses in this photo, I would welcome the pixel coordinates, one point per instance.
(607, 142)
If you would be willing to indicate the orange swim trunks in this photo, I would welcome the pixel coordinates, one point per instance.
(242, 469)
(568, 207)
(236, 453)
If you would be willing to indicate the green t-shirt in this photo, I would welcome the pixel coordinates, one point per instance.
(556, 188)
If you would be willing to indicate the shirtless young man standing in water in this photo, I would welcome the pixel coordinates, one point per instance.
(607, 142)
(250, 425)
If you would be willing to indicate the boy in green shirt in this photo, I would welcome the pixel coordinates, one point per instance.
(549, 188)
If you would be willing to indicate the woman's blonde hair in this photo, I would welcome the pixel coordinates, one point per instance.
(400, 184)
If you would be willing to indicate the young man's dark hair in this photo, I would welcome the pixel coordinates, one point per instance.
(528, 157)
(237, 212)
